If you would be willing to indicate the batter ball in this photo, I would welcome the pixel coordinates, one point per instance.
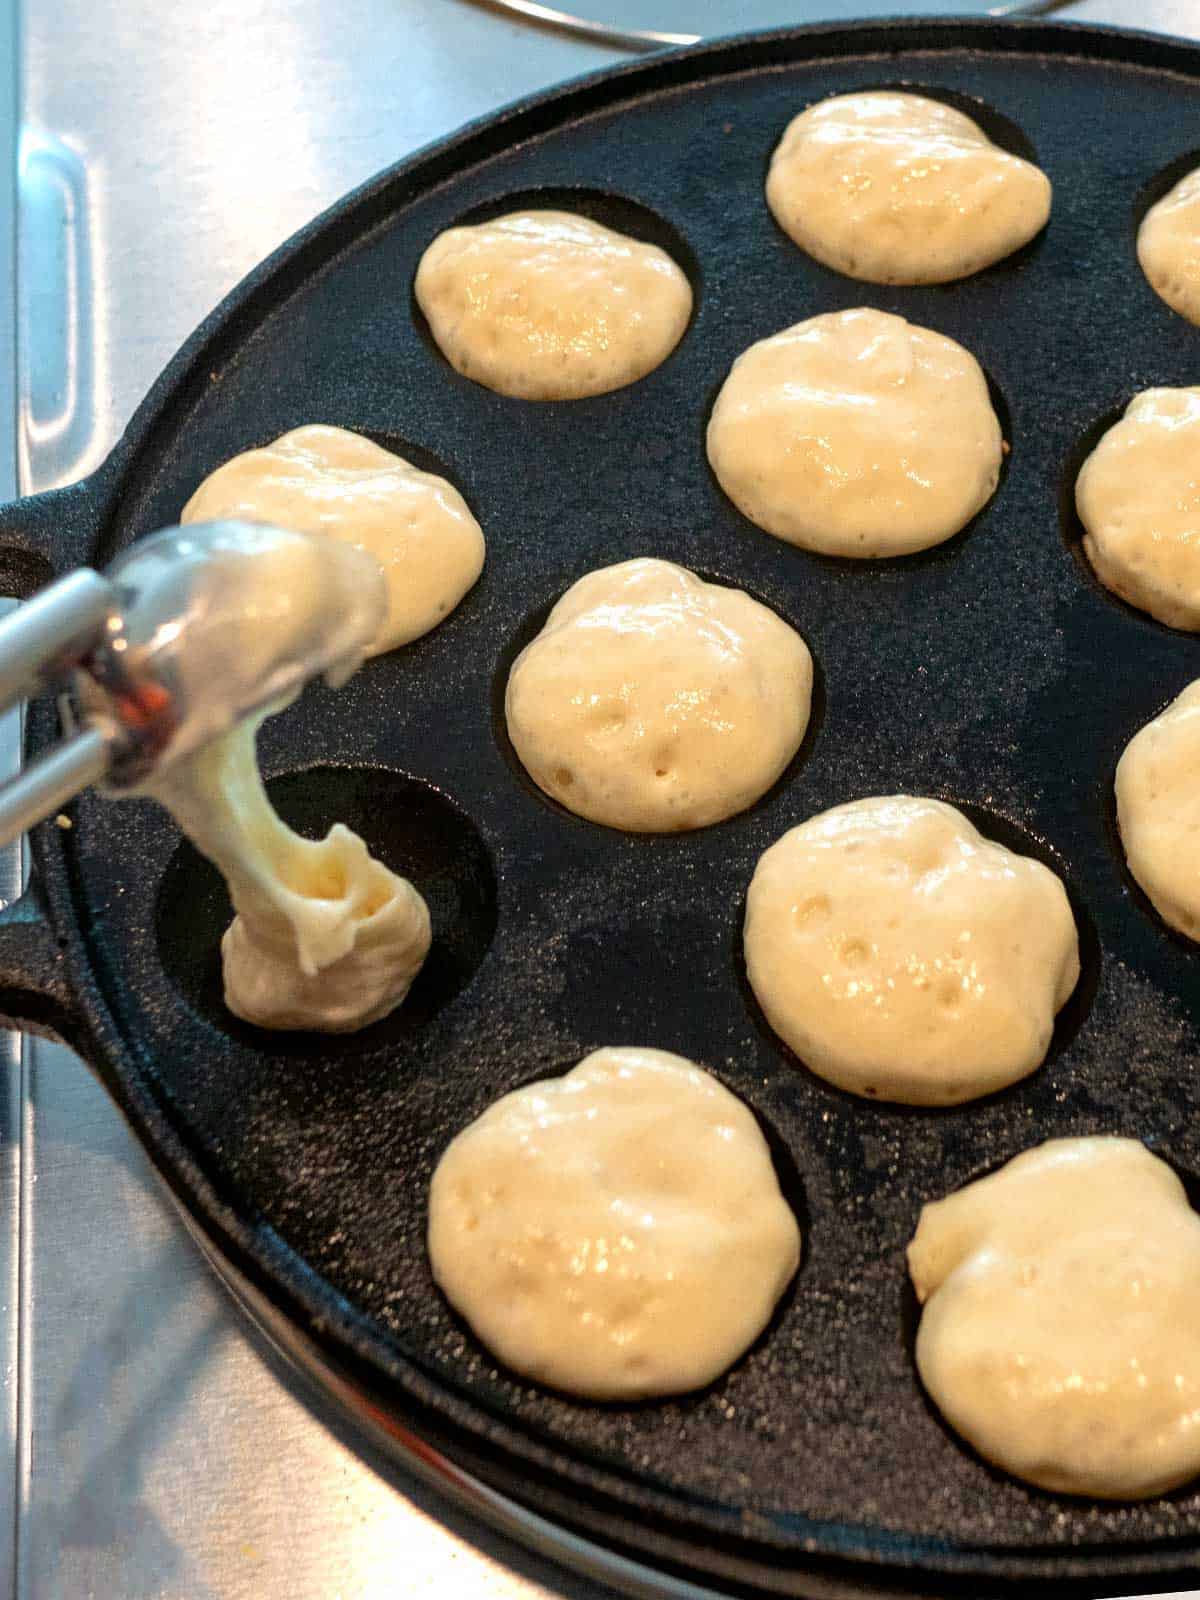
(653, 701)
(897, 188)
(1138, 497)
(1062, 1296)
(1168, 247)
(327, 480)
(904, 956)
(1158, 809)
(546, 305)
(857, 434)
(618, 1232)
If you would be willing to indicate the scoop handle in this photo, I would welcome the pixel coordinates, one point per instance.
(42, 641)
(49, 782)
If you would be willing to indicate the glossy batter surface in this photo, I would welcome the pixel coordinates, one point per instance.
(1158, 810)
(905, 957)
(652, 700)
(896, 188)
(856, 433)
(1062, 1297)
(325, 480)
(547, 305)
(1138, 497)
(618, 1232)
(1168, 247)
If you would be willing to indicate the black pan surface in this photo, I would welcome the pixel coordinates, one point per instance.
(993, 672)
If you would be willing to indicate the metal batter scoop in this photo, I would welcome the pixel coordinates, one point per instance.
(188, 633)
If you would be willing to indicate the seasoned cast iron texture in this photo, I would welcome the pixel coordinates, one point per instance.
(993, 672)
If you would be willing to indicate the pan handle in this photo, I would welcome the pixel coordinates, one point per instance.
(35, 995)
(42, 536)
(47, 534)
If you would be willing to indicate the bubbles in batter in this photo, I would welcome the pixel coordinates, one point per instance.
(856, 434)
(652, 700)
(324, 480)
(1061, 1299)
(897, 188)
(618, 1232)
(905, 957)
(547, 305)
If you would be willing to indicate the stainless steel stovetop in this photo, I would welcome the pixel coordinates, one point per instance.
(156, 1448)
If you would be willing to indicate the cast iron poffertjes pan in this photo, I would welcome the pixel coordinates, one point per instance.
(993, 672)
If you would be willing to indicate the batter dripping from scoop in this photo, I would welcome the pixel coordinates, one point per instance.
(324, 937)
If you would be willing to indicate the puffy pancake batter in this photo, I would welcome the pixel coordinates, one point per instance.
(1138, 497)
(547, 305)
(897, 188)
(1168, 247)
(652, 700)
(904, 956)
(856, 434)
(327, 480)
(1158, 809)
(1062, 1297)
(618, 1232)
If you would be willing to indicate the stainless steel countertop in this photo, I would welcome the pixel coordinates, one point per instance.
(162, 1453)
(10, 1047)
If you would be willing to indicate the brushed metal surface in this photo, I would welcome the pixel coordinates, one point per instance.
(54, 268)
(167, 1453)
(8, 244)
